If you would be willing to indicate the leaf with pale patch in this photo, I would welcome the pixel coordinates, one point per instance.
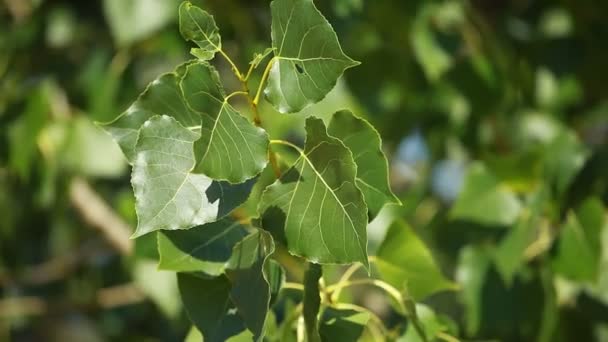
(168, 195)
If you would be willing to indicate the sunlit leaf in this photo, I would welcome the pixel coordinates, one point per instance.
(308, 58)
(579, 246)
(133, 20)
(403, 260)
(161, 97)
(364, 142)
(472, 271)
(168, 196)
(484, 200)
(230, 148)
(317, 204)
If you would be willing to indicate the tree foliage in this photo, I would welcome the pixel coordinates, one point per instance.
(450, 186)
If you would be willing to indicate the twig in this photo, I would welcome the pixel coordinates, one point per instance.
(106, 298)
(96, 212)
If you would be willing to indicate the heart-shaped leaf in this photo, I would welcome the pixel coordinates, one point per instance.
(231, 148)
(364, 142)
(317, 204)
(168, 195)
(308, 58)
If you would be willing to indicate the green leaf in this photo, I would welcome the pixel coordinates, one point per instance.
(259, 57)
(403, 260)
(162, 97)
(160, 286)
(564, 157)
(312, 302)
(579, 246)
(231, 148)
(308, 58)
(484, 200)
(473, 266)
(430, 322)
(168, 196)
(133, 20)
(90, 151)
(343, 325)
(364, 142)
(317, 204)
(207, 302)
(509, 254)
(250, 287)
(23, 132)
(435, 61)
(199, 27)
(206, 248)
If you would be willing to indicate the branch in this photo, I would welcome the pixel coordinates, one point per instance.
(97, 213)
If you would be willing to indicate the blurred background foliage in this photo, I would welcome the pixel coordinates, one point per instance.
(494, 113)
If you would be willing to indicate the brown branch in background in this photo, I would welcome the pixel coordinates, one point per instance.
(96, 212)
(126, 294)
(22, 306)
(62, 265)
(19, 9)
(106, 298)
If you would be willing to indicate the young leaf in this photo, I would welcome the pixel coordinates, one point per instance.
(199, 27)
(259, 57)
(317, 204)
(308, 58)
(483, 200)
(372, 168)
(250, 286)
(207, 248)
(161, 97)
(231, 148)
(207, 302)
(404, 260)
(168, 195)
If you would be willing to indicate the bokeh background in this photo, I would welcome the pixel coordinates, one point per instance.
(494, 115)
